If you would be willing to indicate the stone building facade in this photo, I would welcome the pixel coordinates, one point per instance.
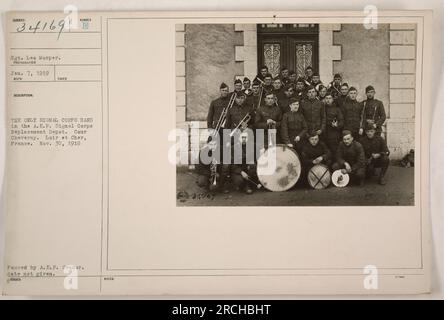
(208, 54)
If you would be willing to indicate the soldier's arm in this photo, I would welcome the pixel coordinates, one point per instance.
(362, 111)
(229, 120)
(210, 115)
(361, 158)
(284, 130)
(279, 119)
(381, 115)
(384, 149)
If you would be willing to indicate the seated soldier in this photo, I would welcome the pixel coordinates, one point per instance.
(293, 126)
(314, 152)
(212, 177)
(376, 153)
(350, 158)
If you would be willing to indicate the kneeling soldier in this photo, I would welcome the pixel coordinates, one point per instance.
(314, 152)
(376, 153)
(350, 158)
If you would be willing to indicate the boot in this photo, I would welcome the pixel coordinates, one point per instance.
(248, 190)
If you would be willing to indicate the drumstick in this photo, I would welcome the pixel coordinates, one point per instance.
(247, 177)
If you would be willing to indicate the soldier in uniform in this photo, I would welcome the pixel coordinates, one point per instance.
(284, 102)
(293, 77)
(278, 89)
(255, 98)
(334, 123)
(350, 158)
(284, 76)
(343, 96)
(308, 76)
(238, 111)
(322, 93)
(247, 87)
(268, 116)
(314, 112)
(293, 126)
(299, 89)
(268, 83)
(376, 153)
(334, 87)
(314, 152)
(316, 82)
(352, 110)
(217, 106)
(373, 112)
(238, 85)
(262, 73)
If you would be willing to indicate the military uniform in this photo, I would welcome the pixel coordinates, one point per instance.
(237, 113)
(378, 145)
(293, 125)
(351, 111)
(263, 114)
(310, 153)
(245, 165)
(314, 114)
(373, 112)
(215, 110)
(333, 134)
(340, 100)
(355, 156)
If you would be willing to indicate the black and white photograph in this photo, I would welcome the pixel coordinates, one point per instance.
(301, 114)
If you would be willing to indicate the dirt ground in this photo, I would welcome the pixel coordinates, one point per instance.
(399, 191)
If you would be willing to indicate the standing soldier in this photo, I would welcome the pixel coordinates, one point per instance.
(343, 96)
(322, 93)
(376, 153)
(268, 116)
(314, 112)
(278, 90)
(256, 96)
(268, 83)
(308, 76)
(217, 106)
(334, 123)
(352, 110)
(373, 112)
(238, 86)
(238, 112)
(350, 158)
(284, 102)
(299, 89)
(293, 126)
(262, 73)
(247, 87)
(316, 82)
(284, 76)
(334, 87)
(293, 77)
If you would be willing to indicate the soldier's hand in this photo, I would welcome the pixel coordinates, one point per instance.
(334, 124)
(343, 171)
(317, 160)
(347, 167)
(361, 131)
(376, 155)
(244, 126)
(318, 132)
(297, 139)
(289, 145)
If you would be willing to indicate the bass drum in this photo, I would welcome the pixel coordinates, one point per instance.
(278, 168)
(319, 177)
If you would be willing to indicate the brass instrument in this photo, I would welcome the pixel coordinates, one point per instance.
(244, 121)
(220, 124)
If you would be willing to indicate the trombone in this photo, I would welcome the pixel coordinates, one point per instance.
(243, 122)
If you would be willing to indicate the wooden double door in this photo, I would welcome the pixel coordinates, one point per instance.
(290, 47)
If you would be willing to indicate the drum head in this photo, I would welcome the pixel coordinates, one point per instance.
(286, 171)
(339, 179)
(319, 177)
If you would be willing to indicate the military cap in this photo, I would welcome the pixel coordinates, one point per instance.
(223, 85)
(369, 88)
(346, 133)
(337, 75)
(312, 133)
(237, 81)
(352, 89)
(246, 79)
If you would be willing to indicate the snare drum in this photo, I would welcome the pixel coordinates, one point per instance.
(278, 168)
(319, 176)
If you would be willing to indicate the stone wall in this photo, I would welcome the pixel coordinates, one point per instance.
(401, 123)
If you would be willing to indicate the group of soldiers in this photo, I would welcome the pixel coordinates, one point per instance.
(325, 124)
